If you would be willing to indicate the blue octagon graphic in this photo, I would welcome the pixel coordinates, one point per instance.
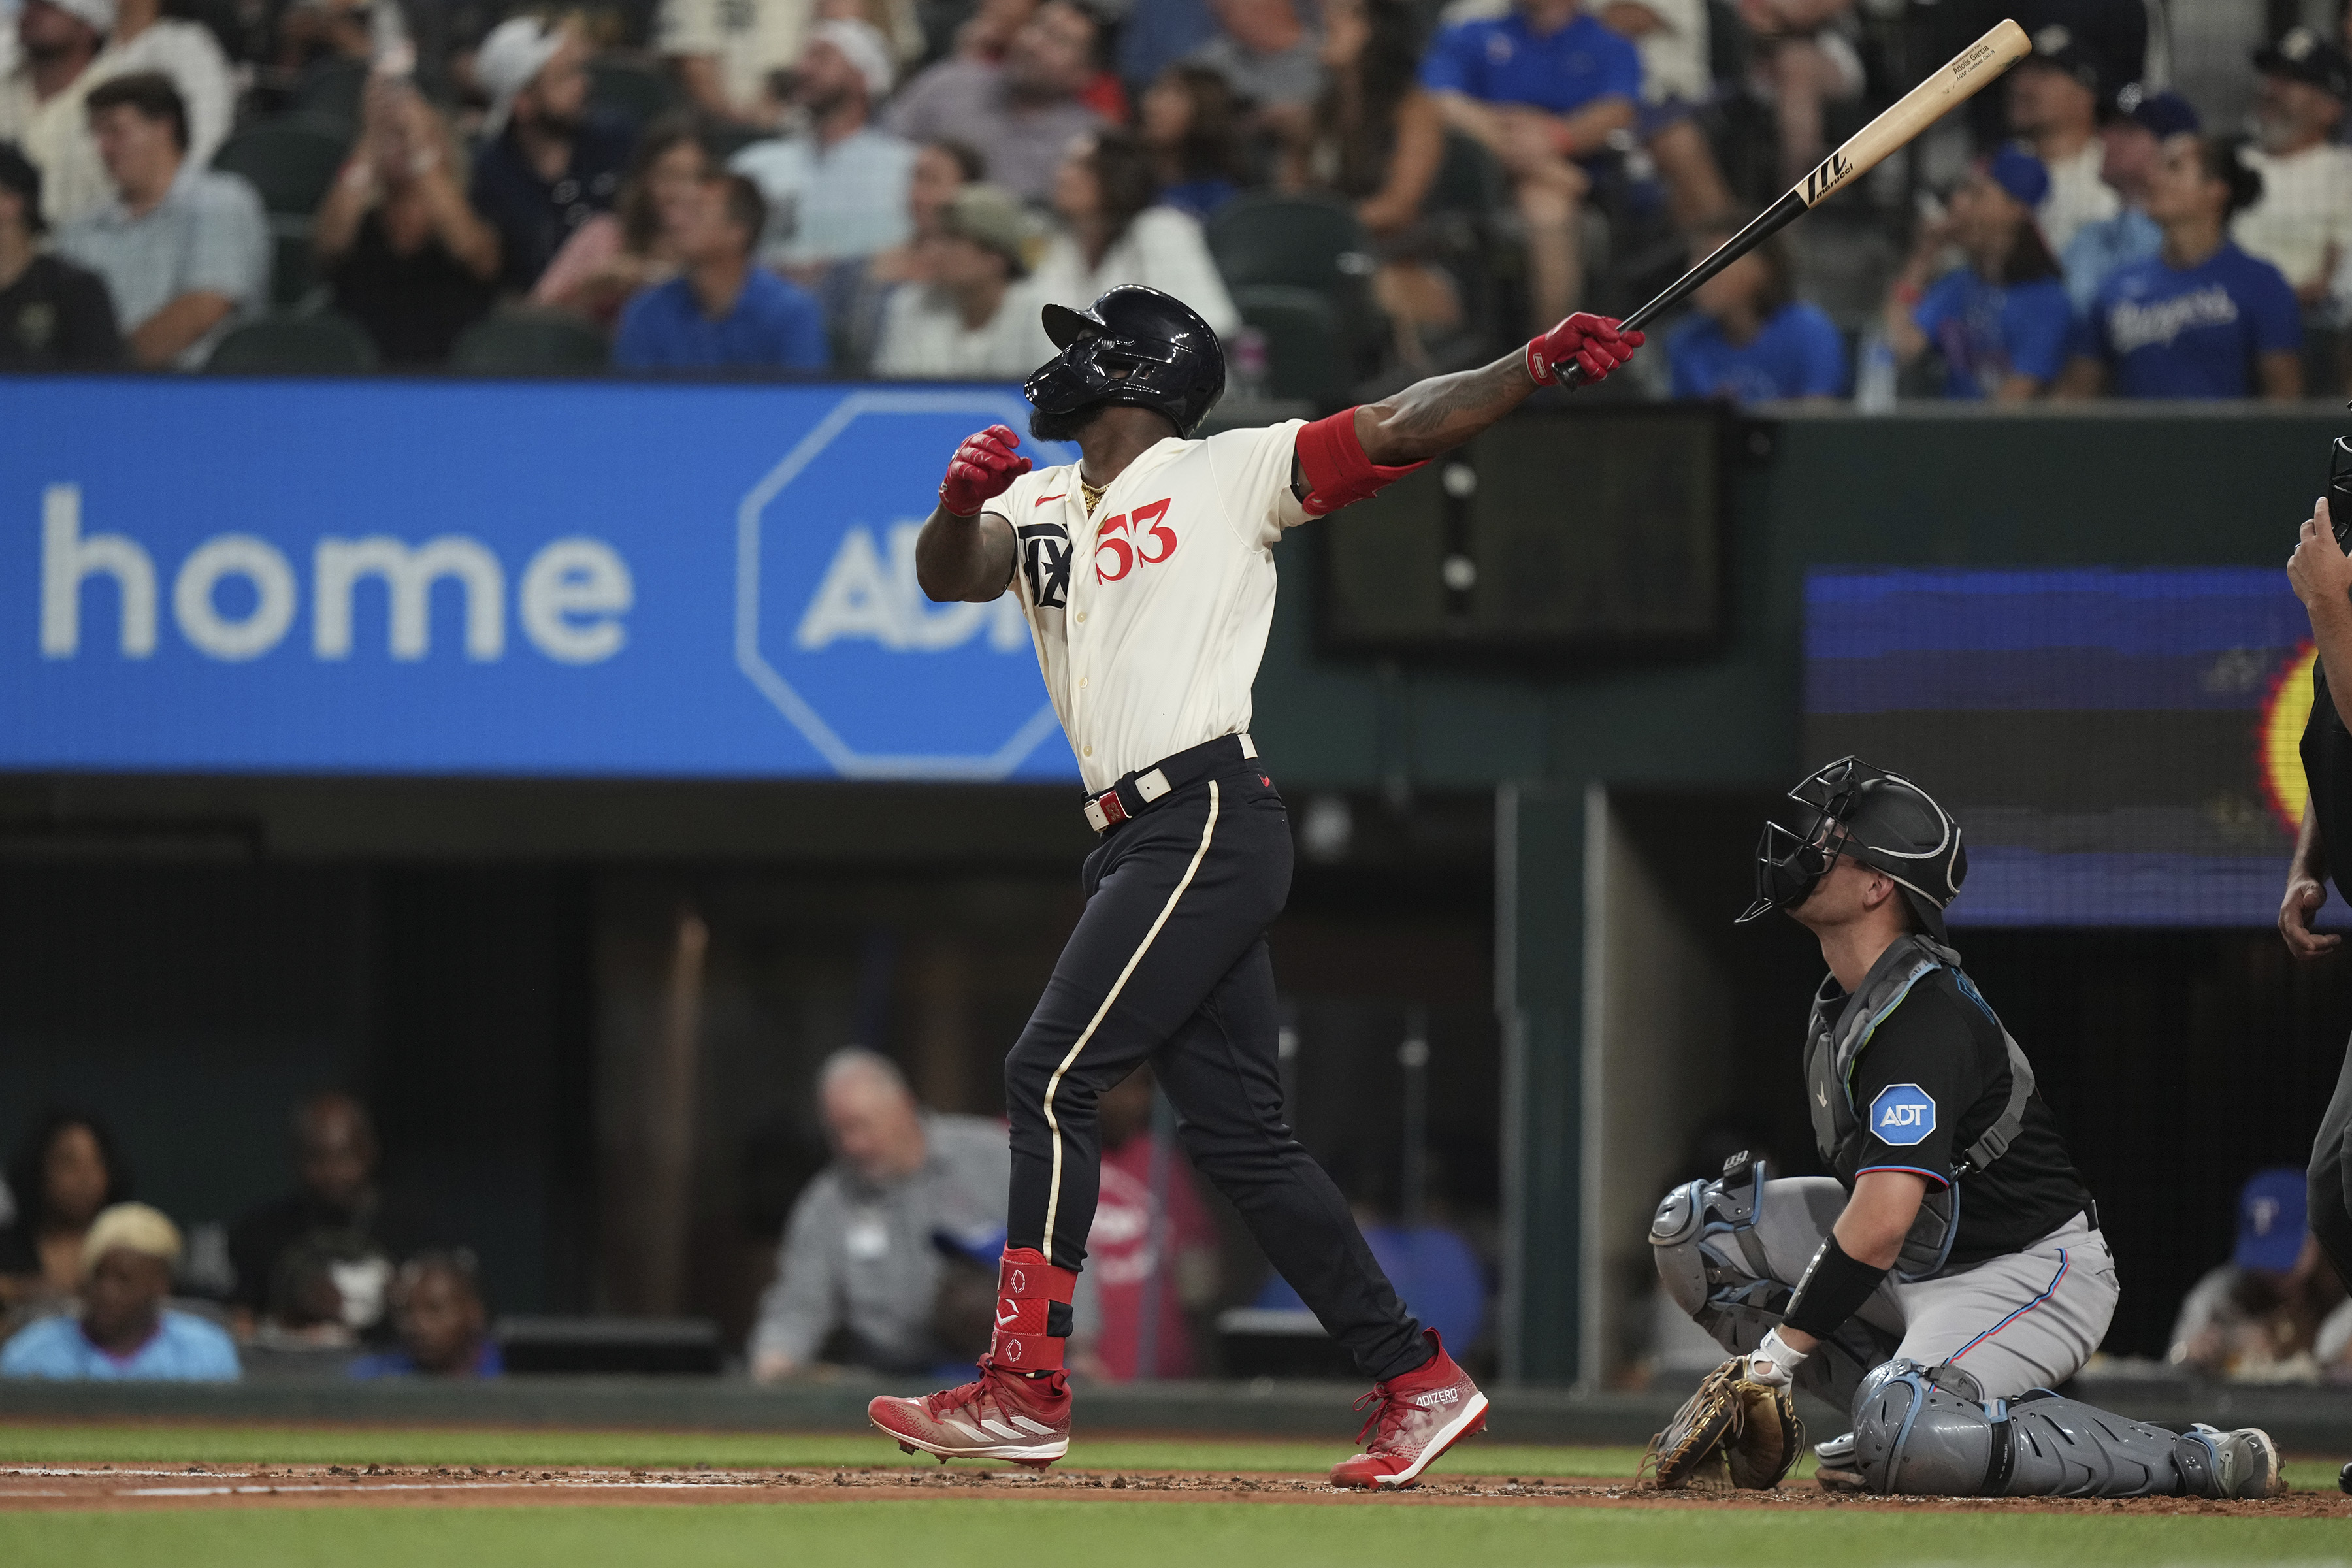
(833, 629)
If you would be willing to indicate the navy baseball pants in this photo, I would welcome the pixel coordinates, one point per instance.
(1169, 964)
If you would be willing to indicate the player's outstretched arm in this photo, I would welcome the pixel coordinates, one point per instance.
(1440, 414)
(965, 552)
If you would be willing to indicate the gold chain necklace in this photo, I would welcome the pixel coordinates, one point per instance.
(1092, 494)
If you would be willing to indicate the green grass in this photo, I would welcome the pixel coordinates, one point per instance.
(36, 1443)
(983, 1534)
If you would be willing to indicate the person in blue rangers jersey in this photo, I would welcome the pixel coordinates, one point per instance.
(2201, 318)
(1952, 1271)
(2002, 319)
(1753, 340)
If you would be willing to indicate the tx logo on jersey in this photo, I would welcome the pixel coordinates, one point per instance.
(1046, 561)
(1903, 1114)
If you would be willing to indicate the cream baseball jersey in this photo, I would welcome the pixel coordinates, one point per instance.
(1150, 617)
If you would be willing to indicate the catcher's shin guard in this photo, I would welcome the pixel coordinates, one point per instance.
(1921, 1432)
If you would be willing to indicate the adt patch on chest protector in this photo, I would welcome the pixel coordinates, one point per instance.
(1902, 1115)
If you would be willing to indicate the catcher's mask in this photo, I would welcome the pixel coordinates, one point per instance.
(1881, 819)
(1135, 346)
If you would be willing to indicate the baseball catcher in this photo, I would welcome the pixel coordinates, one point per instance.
(1146, 574)
(1952, 1272)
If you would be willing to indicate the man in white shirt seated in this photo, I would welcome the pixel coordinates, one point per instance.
(837, 192)
(2053, 105)
(2302, 224)
(976, 318)
(185, 251)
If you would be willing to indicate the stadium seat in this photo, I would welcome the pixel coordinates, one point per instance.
(1303, 362)
(631, 88)
(291, 160)
(288, 344)
(331, 89)
(293, 269)
(1302, 242)
(529, 343)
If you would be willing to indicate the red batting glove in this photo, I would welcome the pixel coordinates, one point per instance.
(983, 468)
(1591, 344)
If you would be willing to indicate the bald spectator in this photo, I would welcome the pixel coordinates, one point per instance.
(125, 1332)
(41, 101)
(185, 251)
(283, 1249)
(2053, 104)
(1021, 112)
(859, 1271)
(838, 191)
(546, 164)
(444, 1328)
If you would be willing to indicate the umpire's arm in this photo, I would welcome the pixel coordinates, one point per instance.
(2322, 576)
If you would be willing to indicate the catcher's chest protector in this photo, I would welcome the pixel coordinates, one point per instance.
(1831, 1049)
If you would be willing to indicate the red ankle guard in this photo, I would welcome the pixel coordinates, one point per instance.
(1336, 471)
(1028, 1290)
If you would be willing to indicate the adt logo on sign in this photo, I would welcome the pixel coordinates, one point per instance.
(832, 627)
(1903, 1115)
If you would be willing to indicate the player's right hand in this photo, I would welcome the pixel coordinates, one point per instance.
(2303, 896)
(1595, 345)
(981, 470)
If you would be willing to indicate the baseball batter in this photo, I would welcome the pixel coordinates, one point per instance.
(1952, 1272)
(1146, 573)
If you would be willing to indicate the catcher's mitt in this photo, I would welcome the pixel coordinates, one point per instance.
(1731, 1428)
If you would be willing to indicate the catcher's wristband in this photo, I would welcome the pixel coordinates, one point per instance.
(1833, 1290)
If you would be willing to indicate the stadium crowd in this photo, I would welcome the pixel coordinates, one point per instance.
(1357, 192)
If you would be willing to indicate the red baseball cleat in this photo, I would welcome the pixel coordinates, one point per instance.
(1000, 1416)
(1415, 1418)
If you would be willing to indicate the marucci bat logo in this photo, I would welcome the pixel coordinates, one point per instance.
(1827, 178)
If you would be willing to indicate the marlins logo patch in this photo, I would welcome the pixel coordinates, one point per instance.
(1903, 1115)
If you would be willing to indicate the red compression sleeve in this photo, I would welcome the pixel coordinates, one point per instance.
(1332, 457)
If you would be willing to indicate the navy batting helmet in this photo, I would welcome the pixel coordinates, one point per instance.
(1135, 346)
(1883, 820)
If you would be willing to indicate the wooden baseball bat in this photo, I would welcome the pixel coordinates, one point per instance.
(1966, 74)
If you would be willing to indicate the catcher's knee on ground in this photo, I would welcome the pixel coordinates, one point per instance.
(1922, 1432)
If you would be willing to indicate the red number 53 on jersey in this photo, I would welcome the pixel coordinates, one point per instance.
(1143, 537)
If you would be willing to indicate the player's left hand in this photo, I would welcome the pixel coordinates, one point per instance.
(1594, 344)
(2320, 573)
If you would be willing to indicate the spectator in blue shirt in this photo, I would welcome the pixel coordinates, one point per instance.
(2135, 139)
(2000, 321)
(722, 312)
(124, 1331)
(1539, 88)
(1754, 340)
(2201, 318)
(437, 1305)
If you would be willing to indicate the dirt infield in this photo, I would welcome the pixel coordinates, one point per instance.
(152, 1486)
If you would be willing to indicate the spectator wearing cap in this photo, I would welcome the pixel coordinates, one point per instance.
(1266, 54)
(975, 316)
(42, 107)
(144, 39)
(402, 253)
(837, 192)
(2133, 139)
(2201, 318)
(2053, 104)
(727, 54)
(2276, 1311)
(125, 1332)
(442, 1325)
(1112, 231)
(1753, 340)
(723, 311)
(2302, 224)
(2000, 320)
(184, 250)
(1022, 111)
(547, 162)
(53, 314)
(1539, 88)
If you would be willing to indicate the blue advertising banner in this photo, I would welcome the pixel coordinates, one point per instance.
(539, 579)
(2119, 746)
